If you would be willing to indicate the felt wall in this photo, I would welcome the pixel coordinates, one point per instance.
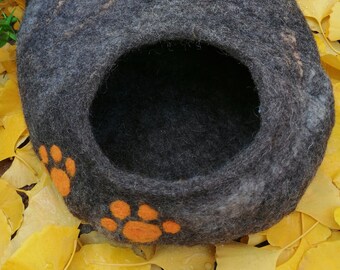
(178, 121)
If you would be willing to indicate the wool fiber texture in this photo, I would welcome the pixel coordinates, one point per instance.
(175, 122)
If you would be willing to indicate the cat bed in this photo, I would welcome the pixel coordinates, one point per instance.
(175, 122)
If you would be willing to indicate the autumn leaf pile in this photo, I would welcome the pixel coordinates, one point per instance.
(38, 232)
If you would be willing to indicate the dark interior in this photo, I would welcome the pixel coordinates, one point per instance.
(174, 110)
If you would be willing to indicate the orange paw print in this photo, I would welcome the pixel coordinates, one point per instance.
(140, 231)
(61, 172)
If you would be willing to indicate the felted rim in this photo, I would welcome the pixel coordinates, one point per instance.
(184, 188)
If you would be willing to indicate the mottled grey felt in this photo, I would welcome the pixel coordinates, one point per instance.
(214, 113)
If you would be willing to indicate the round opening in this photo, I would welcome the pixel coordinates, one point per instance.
(175, 110)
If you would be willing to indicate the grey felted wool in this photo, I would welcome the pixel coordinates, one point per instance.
(177, 122)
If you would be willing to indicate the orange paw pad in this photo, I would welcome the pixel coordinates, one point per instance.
(60, 177)
(171, 227)
(120, 209)
(61, 181)
(56, 153)
(43, 154)
(141, 232)
(147, 213)
(138, 231)
(109, 224)
(70, 167)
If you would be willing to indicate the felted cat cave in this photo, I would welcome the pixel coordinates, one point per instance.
(175, 122)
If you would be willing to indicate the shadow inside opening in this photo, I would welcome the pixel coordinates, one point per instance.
(175, 110)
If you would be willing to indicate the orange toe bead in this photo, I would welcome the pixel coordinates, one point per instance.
(109, 224)
(56, 153)
(147, 213)
(120, 209)
(171, 227)
(70, 167)
(43, 154)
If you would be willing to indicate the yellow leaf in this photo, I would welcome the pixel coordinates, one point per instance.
(317, 9)
(333, 73)
(24, 136)
(320, 200)
(336, 180)
(17, 12)
(11, 204)
(26, 168)
(331, 163)
(337, 215)
(316, 232)
(294, 227)
(5, 233)
(245, 257)
(95, 237)
(6, 54)
(307, 232)
(184, 258)
(12, 76)
(10, 132)
(19, 175)
(324, 256)
(2, 70)
(334, 237)
(45, 208)
(9, 99)
(49, 249)
(44, 181)
(286, 231)
(3, 79)
(313, 24)
(293, 262)
(105, 256)
(257, 238)
(10, 66)
(21, 3)
(146, 252)
(334, 23)
(332, 60)
(328, 55)
(325, 46)
(286, 255)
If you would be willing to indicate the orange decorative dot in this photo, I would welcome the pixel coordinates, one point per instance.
(70, 167)
(43, 154)
(61, 181)
(171, 227)
(120, 209)
(147, 213)
(109, 224)
(56, 153)
(140, 232)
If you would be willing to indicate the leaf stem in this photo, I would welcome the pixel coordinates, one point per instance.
(327, 41)
(301, 236)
